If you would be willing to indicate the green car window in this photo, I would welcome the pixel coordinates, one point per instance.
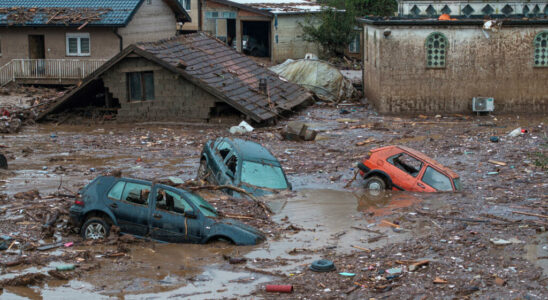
(263, 175)
(136, 193)
(115, 192)
(207, 209)
(179, 203)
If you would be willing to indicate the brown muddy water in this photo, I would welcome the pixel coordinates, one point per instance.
(58, 158)
(159, 271)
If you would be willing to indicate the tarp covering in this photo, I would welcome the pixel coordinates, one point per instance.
(325, 80)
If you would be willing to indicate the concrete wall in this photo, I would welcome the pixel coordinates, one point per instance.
(15, 42)
(396, 79)
(175, 99)
(457, 6)
(290, 42)
(151, 22)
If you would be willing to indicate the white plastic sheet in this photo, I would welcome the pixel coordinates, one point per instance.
(320, 77)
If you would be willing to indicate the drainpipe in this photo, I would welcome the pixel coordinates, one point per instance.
(120, 38)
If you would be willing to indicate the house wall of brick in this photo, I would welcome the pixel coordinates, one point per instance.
(175, 99)
(288, 40)
(151, 22)
(396, 79)
(15, 42)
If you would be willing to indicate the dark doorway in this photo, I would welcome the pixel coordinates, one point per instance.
(256, 38)
(37, 49)
(231, 32)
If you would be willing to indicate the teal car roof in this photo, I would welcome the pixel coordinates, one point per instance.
(252, 151)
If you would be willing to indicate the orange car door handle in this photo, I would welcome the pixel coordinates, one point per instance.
(421, 185)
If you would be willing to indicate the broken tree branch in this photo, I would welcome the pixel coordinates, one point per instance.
(352, 180)
(266, 209)
(529, 214)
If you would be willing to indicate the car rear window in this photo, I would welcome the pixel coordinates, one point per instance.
(115, 192)
(437, 180)
(263, 175)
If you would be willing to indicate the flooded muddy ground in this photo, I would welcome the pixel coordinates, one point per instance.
(328, 215)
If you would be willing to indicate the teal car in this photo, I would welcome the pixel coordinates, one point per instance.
(147, 209)
(243, 164)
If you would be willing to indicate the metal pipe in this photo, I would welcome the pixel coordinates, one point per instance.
(279, 288)
(120, 38)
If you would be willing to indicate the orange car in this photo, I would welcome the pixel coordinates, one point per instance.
(402, 168)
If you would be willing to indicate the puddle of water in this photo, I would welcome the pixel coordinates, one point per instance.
(537, 252)
(328, 217)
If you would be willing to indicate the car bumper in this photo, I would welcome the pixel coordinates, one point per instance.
(76, 216)
(363, 168)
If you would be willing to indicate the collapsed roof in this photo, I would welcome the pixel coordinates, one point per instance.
(221, 71)
(43, 13)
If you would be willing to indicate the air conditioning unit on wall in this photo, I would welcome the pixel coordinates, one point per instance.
(483, 104)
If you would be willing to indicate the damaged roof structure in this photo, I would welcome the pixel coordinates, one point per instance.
(75, 13)
(190, 77)
(61, 42)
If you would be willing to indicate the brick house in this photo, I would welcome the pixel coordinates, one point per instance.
(188, 78)
(48, 41)
(419, 63)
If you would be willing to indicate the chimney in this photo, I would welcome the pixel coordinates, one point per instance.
(263, 85)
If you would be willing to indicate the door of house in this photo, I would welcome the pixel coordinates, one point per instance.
(37, 50)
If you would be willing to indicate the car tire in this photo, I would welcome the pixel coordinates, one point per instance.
(322, 265)
(3, 162)
(375, 183)
(95, 228)
(202, 170)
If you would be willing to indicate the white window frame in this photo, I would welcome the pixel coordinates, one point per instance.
(79, 37)
(183, 2)
(354, 46)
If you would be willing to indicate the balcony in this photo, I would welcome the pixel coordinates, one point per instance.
(48, 71)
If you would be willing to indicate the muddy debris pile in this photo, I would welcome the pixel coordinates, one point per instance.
(24, 105)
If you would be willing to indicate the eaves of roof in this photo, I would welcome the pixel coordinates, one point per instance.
(244, 7)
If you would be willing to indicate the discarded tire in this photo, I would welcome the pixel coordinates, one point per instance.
(3, 162)
(322, 265)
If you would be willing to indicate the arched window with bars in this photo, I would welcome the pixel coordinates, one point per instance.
(540, 45)
(436, 50)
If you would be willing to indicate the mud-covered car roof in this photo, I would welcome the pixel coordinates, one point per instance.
(253, 151)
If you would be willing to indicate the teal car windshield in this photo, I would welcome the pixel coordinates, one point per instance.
(263, 175)
(207, 209)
